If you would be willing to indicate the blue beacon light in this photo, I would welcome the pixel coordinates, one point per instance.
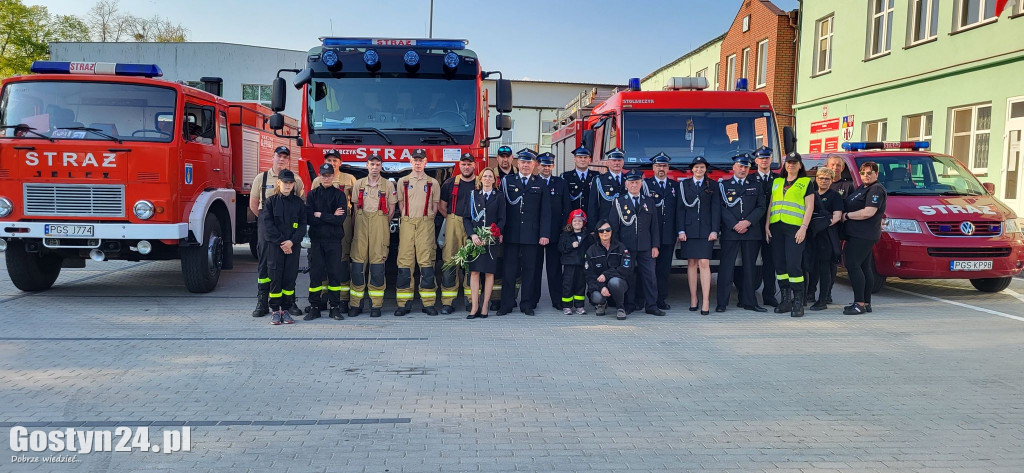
(412, 58)
(371, 58)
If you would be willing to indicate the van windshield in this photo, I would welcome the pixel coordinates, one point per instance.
(924, 175)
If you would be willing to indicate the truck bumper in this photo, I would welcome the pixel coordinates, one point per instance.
(102, 231)
(931, 260)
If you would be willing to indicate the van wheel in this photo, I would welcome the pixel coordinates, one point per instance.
(31, 272)
(200, 265)
(252, 248)
(879, 281)
(991, 284)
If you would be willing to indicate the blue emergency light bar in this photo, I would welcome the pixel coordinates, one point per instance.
(99, 68)
(455, 44)
(891, 145)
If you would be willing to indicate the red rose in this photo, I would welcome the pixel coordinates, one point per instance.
(495, 232)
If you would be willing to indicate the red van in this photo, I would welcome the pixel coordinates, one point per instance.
(940, 221)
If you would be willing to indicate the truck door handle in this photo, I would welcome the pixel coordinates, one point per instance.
(216, 169)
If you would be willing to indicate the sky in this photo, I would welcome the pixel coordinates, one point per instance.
(589, 41)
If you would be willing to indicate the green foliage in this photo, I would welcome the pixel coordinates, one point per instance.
(26, 31)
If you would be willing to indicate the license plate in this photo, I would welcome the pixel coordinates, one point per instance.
(52, 230)
(970, 265)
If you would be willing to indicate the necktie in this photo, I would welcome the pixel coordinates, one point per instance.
(636, 202)
(583, 177)
(662, 186)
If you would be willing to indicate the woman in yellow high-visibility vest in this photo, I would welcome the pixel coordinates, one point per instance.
(789, 214)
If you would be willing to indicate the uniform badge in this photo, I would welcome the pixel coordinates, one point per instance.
(645, 207)
(874, 199)
(607, 192)
(426, 188)
(730, 198)
(625, 263)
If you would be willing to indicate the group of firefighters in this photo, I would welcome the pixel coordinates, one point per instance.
(608, 237)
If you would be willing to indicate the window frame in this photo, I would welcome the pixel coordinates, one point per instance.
(886, 15)
(958, 15)
(718, 66)
(761, 76)
(882, 130)
(932, 16)
(730, 72)
(927, 121)
(702, 73)
(972, 159)
(817, 43)
(222, 128)
(745, 66)
(746, 24)
(209, 123)
(259, 94)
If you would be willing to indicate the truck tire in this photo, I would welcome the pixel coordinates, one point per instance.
(201, 264)
(31, 272)
(252, 249)
(878, 281)
(991, 284)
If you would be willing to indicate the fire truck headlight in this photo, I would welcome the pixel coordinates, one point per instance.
(900, 225)
(371, 58)
(451, 60)
(6, 207)
(329, 57)
(144, 209)
(411, 58)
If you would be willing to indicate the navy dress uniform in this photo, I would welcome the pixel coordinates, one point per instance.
(605, 189)
(665, 194)
(527, 203)
(496, 289)
(742, 200)
(700, 213)
(635, 222)
(767, 260)
(579, 183)
(550, 256)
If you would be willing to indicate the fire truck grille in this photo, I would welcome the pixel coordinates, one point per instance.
(74, 200)
(969, 252)
(980, 228)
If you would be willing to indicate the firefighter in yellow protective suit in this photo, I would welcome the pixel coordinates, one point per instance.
(418, 195)
(374, 201)
(344, 182)
(455, 194)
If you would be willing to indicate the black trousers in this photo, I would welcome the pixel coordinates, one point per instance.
(617, 287)
(325, 265)
(767, 272)
(520, 261)
(788, 254)
(643, 290)
(663, 268)
(574, 286)
(747, 250)
(550, 259)
(859, 265)
(262, 270)
(283, 271)
(817, 269)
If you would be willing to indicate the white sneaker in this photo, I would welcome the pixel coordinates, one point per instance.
(581, 311)
(567, 311)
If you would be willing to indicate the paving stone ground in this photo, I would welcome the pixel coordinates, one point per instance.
(918, 385)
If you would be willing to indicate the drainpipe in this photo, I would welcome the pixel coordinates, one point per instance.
(795, 23)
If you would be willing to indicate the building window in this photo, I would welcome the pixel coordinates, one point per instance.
(256, 93)
(880, 34)
(194, 84)
(730, 72)
(762, 63)
(1020, 7)
(702, 72)
(823, 53)
(874, 131)
(970, 135)
(746, 61)
(547, 126)
(717, 66)
(924, 20)
(917, 127)
(974, 12)
(746, 23)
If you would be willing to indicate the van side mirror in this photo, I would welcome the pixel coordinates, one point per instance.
(302, 78)
(277, 95)
(788, 139)
(990, 187)
(503, 96)
(503, 122)
(276, 121)
(587, 141)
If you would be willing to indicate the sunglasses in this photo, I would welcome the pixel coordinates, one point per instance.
(824, 178)
(604, 230)
(866, 173)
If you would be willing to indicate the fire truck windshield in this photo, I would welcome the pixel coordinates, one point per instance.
(924, 175)
(683, 135)
(404, 109)
(87, 111)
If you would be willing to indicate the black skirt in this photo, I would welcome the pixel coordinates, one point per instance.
(486, 262)
(697, 248)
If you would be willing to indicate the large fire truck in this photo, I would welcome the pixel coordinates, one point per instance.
(362, 96)
(683, 121)
(105, 161)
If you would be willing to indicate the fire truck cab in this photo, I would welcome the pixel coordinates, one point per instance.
(105, 161)
(940, 221)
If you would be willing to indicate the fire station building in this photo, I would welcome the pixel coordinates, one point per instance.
(948, 72)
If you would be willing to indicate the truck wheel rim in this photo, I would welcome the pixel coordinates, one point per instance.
(214, 253)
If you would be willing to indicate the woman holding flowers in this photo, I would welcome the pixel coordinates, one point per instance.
(484, 223)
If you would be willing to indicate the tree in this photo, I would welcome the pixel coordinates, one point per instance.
(25, 34)
(106, 21)
(110, 24)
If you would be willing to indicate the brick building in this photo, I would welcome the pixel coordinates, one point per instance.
(760, 46)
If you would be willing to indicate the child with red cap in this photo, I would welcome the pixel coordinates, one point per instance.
(573, 244)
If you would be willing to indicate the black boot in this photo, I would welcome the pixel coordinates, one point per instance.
(798, 299)
(786, 304)
(262, 301)
(336, 313)
(314, 313)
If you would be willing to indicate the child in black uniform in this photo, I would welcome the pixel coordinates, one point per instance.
(325, 212)
(573, 245)
(284, 225)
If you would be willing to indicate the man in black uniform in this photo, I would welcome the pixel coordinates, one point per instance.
(504, 161)
(634, 220)
(606, 187)
(844, 187)
(504, 167)
(765, 176)
(665, 193)
(578, 180)
(326, 213)
(558, 192)
(455, 194)
(527, 224)
(743, 208)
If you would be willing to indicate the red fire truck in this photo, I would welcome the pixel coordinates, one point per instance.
(940, 221)
(104, 161)
(391, 96)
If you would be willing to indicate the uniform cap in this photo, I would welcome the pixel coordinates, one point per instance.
(615, 153)
(283, 149)
(794, 157)
(581, 151)
(467, 157)
(635, 175)
(505, 150)
(546, 159)
(661, 158)
(374, 157)
(578, 213)
(743, 160)
(763, 152)
(419, 154)
(286, 175)
(326, 169)
(332, 153)
(526, 154)
(698, 160)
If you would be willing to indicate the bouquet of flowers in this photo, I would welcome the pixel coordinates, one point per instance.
(470, 251)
